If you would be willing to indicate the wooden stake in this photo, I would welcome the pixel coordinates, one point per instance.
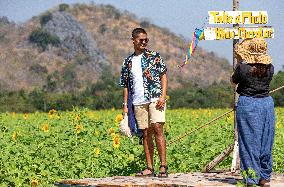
(218, 159)
(235, 161)
(235, 145)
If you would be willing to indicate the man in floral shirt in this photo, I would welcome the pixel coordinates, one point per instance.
(144, 80)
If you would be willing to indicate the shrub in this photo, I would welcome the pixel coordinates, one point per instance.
(112, 12)
(37, 68)
(102, 28)
(42, 38)
(4, 20)
(2, 37)
(115, 30)
(82, 59)
(70, 79)
(277, 81)
(145, 24)
(52, 82)
(63, 7)
(45, 18)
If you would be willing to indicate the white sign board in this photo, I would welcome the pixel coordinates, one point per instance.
(218, 33)
(238, 17)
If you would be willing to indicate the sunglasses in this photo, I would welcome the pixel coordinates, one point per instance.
(146, 40)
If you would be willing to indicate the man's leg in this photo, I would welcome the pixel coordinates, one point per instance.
(148, 148)
(142, 117)
(157, 120)
(161, 144)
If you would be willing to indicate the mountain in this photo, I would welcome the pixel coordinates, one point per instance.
(69, 47)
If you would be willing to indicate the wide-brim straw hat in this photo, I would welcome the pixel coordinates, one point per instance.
(253, 50)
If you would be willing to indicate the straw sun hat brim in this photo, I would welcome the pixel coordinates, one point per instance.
(253, 51)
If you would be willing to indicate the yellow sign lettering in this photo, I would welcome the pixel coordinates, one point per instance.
(217, 33)
(238, 17)
(214, 14)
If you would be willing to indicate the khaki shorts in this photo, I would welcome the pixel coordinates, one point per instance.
(147, 114)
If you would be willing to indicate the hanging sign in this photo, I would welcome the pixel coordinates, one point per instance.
(238, 17)
(217, 33)
(241, 18)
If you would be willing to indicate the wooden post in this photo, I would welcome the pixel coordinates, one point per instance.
(235, 146)
(235, 160)
(218, 159)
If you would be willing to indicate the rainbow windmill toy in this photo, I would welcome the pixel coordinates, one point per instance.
(197, 36)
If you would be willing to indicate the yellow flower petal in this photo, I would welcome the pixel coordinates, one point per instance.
(118, 117)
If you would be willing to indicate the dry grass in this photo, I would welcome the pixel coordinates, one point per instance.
(112, 33)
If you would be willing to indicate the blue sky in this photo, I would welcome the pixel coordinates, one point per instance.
(179, 16)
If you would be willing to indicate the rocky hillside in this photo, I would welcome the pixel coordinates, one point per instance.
(70, 47)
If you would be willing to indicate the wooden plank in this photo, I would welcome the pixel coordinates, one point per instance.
(218, 159)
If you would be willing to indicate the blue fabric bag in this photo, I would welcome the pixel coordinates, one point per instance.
(131, 116)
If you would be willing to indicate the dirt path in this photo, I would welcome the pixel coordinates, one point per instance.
(178, 179)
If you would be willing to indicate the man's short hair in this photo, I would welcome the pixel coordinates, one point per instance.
(137, 31)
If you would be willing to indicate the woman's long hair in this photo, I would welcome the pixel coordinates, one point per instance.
(259, 70)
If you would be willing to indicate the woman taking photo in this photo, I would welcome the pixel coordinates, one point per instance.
(255, 110)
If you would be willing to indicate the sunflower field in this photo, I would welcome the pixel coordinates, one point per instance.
(38, 149)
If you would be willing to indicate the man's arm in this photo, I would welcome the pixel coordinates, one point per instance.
(123, 83)
(125, 98)
(164, 84)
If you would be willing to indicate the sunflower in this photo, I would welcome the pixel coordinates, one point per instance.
(113, 135)
(34, 182)
(118, 118)
(26, 116)
(97, 151)
(278, 125)
(209, 113)
(111, 131)
(45, 127)
(14, 136)
(79, 128)
(52, 113)
(116, 141)
(77, 118)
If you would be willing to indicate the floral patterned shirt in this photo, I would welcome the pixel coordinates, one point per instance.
(153, 66)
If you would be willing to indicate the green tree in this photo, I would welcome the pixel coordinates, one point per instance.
(37, 99)
(277, 81)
